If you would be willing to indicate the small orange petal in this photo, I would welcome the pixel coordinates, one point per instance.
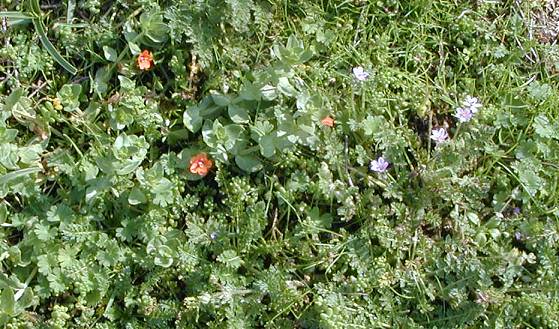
(200, 164)
(145, 60)
(328, 121)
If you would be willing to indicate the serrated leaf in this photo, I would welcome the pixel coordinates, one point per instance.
(544, 128)
(250, 92)
(230, 259)
(69, 96)
(372, 124)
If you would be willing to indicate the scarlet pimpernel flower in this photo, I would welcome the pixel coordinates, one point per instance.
(145, 60)
(328, 121)
(200, 164)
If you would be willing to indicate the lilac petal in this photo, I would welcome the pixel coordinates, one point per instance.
(463, 114)
(439, 135)
(380, 165)
(472, 103)
(360, 73)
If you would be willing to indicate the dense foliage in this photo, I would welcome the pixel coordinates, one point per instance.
(279, 164)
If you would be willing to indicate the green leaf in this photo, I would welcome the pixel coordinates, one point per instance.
(69, 96)
(128, 166)
(153, 28)
(50, 48)
(134, 48)
(7, 301)
(248, 163)
(43, 232)
(285, 87)
(3, 213)
(267, 146)
(192, 119)
(233, 134)
(372, 124)
(163, 257)
(13, 99)
(163, 191)
(238, 114)
(136, 196)
(230, 259)
(539, 91)
(25, 300)
(110, 54)
(9, 156)
(102, 77)
(544, 128)
(220, 99)
(250, 92)
(268, 92)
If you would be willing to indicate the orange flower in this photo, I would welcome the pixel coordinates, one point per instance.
(328, 121)
(200, 164)
(145, 60)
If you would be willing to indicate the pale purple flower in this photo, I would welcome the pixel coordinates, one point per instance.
(379, 165)
(360, 73)
(463, 114)
(439, 135)
(471, 103)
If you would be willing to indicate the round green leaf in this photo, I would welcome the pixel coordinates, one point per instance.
(248, 163)
(136, 196)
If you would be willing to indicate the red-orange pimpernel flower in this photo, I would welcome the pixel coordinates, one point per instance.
(145, 60)
(200, 164)
(328, 121)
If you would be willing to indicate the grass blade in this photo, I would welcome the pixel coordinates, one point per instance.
(18, 173)
(15, 15)
(50, 47)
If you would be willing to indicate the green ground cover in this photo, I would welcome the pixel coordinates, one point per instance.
(279, 164)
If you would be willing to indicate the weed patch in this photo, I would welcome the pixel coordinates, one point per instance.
(279, 164)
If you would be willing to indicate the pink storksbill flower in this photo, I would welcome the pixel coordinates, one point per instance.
(379, 165)
(360, 74)
(463, 114)
(471, 103)
(439, 135)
